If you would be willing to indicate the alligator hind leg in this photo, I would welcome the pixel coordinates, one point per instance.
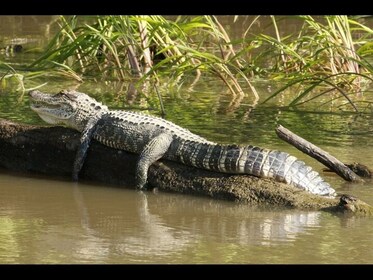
(152, 152)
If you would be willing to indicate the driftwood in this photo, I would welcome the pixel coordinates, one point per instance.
(51, 151)
(360, 169)
(322, 156)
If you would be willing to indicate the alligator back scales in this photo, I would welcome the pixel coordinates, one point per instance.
(154, 138)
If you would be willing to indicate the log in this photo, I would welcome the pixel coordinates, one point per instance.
(51, 151)
(319, 154)
(360, 169)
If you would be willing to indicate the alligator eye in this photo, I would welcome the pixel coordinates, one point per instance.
(69, 96)
(62, 93)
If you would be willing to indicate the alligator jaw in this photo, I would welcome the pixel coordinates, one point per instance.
(50, 107)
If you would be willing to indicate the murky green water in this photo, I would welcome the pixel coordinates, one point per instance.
(50, 220)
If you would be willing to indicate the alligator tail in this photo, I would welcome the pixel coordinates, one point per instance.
(251, 160)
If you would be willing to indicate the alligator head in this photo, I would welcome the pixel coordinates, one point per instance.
(70, 108)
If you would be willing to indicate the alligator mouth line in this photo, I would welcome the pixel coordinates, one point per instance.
(40, 104)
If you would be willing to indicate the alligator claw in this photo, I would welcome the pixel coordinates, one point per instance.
(143, 187)
(75, 177)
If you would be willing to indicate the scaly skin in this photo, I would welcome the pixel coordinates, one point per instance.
(154, 138)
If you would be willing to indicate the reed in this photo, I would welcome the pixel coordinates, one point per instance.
(120, 47)
(323, 58)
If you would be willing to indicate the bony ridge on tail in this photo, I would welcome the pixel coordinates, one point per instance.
(154, 138)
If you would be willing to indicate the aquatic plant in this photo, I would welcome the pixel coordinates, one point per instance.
(124, 47)
(10, 78)
(322, 58)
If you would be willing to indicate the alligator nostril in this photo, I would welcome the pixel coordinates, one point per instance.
(32, 92)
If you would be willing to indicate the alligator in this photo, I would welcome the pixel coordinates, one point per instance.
(154, 138)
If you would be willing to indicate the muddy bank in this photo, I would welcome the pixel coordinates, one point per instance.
(51, 150)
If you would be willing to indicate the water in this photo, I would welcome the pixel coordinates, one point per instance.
(52, 220)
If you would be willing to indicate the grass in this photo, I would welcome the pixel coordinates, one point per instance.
(326, 57)
(322, 59)
(120, 47)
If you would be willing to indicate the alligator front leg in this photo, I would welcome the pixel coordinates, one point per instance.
(152, 152)
(85, 140)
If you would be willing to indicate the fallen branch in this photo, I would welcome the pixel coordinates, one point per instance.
(322, 156)
(360, 169)
(51, 151)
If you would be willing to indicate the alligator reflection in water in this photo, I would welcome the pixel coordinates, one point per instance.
(169, 223)
(91, 243)
(287, 226)
(230, 222)
(154, 237)
(177, 222)
(55, 222)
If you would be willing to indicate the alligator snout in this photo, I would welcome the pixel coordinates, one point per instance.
(32, 93)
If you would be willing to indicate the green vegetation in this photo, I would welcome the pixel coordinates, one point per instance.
(126, 47)
(322, 58)
(13, 79)
(327, 57)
